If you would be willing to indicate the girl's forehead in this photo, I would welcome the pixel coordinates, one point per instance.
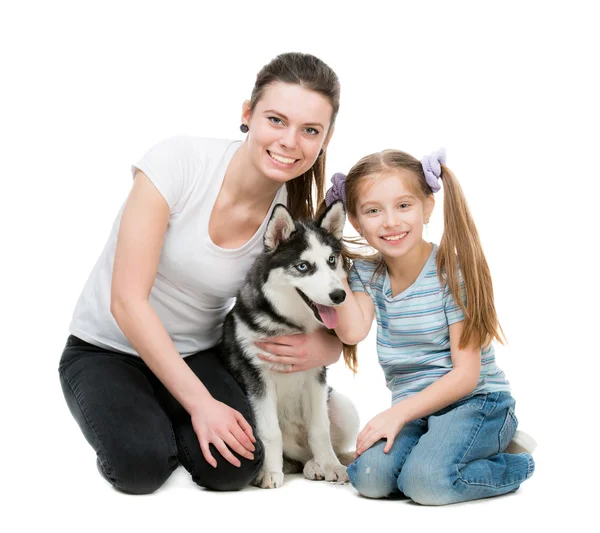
(391, 182)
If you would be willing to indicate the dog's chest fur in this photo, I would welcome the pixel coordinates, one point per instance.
(291, 411)
(290, 388)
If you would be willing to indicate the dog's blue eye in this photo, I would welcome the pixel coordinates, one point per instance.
(332, 259)
(302, 267)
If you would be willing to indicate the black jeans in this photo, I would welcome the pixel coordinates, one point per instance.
(139, 431)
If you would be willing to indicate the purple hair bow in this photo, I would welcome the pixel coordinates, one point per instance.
(432, 167)
(337, 191)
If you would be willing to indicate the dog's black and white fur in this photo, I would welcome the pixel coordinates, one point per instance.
(292, 288)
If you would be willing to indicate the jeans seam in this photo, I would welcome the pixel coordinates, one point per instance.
(510, 418)
(462, 460)
(87, 420)
(476, 484)
(471, 483)
(481, 421)
(175, 442)
(530, 466)
(181, 442)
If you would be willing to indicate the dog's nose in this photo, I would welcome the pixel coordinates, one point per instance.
(337, 296)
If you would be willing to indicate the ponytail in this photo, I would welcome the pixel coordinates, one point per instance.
(460, 245)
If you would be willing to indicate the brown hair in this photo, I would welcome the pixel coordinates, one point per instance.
(311, 73)
(459, 246)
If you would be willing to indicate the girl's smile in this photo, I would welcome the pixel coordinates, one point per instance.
(390, 216)
(395, 238)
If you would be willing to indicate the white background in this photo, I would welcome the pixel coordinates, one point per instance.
(509, 88)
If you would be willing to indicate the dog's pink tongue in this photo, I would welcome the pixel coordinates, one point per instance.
(328, 315)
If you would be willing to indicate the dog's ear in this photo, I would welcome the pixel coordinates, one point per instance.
(333, 219)
(279, 229)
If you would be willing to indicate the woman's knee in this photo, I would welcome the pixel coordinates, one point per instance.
(227, 477)
(138, 471)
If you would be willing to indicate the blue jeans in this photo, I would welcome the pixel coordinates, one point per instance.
(454, 455)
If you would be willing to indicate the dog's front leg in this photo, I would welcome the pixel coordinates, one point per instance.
(267, 422)
(324, 464)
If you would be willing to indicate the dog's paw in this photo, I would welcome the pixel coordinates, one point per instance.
(329, 472)
(268, 480)
(336, 473)
(313, 471)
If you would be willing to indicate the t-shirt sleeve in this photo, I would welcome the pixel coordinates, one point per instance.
(171, 166)
(354, 281)
(360, 277)
(453, 311)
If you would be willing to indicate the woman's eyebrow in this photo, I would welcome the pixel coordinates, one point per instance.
(286, 118)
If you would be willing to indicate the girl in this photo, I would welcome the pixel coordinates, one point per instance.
(452, 416)
(139, 371)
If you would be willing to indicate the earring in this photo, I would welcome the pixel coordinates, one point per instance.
(320, 153)
(244, 128)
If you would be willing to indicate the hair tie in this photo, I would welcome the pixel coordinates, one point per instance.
(337, 191)
(432, 167)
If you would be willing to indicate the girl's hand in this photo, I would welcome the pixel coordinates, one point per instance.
(301, 352)
(385, 425)
(218, 424)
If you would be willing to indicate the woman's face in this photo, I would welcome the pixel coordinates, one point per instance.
(287, 129)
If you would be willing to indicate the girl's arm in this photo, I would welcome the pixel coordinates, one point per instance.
(456, 384)
(139, 243)
(355, 316)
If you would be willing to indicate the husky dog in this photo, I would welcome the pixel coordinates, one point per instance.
(292, 288)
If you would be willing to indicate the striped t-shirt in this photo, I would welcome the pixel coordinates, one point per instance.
(413, 336)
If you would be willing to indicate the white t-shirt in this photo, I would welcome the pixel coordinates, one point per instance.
(196, 280)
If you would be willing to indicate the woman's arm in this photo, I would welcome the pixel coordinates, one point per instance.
(303, 351)
(139, 243)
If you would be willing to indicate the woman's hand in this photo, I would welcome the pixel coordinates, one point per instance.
(301, 352)
(385, 425)
(218, 424)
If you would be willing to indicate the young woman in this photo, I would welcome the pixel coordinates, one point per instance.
(139, 371)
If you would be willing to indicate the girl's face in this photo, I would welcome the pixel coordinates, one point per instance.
(389, 214)
(287, 129)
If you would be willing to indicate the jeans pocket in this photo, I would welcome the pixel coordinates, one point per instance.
(508, 429)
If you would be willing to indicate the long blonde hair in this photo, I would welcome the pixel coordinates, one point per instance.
(459, 248)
